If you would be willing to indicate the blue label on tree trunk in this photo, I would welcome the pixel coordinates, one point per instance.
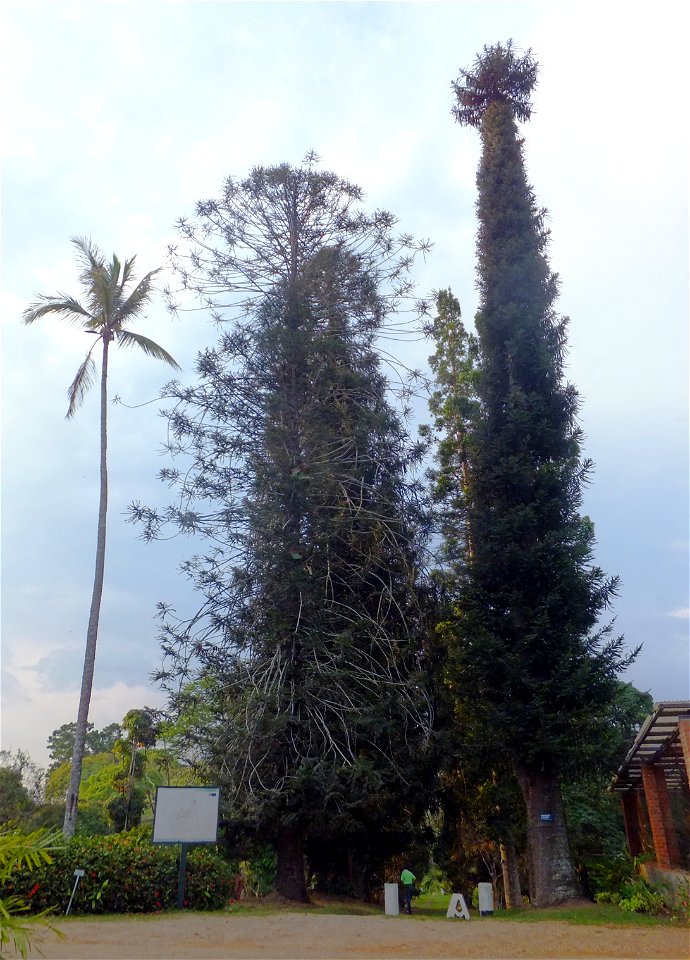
(546, 817)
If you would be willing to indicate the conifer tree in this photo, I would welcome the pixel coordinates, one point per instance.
(471, 767)
(534, 670)
(297, 473)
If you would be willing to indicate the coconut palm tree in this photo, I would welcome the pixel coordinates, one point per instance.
(111, 301)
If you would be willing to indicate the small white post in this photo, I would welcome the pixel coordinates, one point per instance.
(391, 899)
(485, 898)
(78, 875)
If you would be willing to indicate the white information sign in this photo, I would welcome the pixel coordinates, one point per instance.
(186, 815)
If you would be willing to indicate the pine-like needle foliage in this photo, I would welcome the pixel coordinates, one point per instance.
(297, 473)
(529, 649)
(532, 671)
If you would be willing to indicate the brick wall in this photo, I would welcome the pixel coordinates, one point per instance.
(660, 818)
(684, 730)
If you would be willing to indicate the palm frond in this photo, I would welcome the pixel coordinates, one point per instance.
(115, 270)
(21, 933)
(95, 277)
(128, 272)
(90, 257)
(62, 304)
(83, 381)
(138, 298)
(127, 338)
(27, 849)
(103, 294)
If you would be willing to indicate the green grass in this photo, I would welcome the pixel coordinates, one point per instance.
(263, 907)
(434, 906)
(587, 914)
(430, 907)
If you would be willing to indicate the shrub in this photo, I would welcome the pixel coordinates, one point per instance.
(126, 873)
(618, 880)
(434, 881)
(608, 874)
(638, 897)
(678, 901)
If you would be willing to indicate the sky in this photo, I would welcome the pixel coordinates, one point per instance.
(118, 117)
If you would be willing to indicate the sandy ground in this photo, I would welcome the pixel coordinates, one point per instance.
(294, 936)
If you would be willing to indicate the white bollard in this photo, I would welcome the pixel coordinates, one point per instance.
(390, 894)
(486, 899)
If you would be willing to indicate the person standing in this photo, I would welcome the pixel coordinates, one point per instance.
(407, 878)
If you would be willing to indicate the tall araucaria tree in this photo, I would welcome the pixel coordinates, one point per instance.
(110, 302)
(536, 671)
(297, 471)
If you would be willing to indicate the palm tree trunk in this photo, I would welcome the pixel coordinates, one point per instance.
(130, 782)
(70, 821)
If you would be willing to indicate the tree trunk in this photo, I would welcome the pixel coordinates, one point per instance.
(552, 875)
(290, 869)
(70, 821)
(357, 863)
(511, 877)
(130, 782)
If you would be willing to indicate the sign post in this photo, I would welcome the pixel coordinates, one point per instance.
(185, 815)
(78, 874)
(181, 876)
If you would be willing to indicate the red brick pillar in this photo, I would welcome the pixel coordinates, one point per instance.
(660, 820)
(684, 730)
(632, 818)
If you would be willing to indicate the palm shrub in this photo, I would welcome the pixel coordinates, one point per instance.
(25, 854)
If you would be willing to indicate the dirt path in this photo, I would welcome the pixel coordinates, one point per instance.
(294, 936)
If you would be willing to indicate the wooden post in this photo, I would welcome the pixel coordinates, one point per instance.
(630, 801)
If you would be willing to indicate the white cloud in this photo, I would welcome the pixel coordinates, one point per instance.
(682, 613)
(51, 708)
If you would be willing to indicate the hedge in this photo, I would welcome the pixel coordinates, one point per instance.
(125, 873)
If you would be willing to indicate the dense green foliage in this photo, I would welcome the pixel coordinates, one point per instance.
(618, 880)
(117, 791)
(14, 797)
(124, 873)
(22, 784)
(61, 742)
